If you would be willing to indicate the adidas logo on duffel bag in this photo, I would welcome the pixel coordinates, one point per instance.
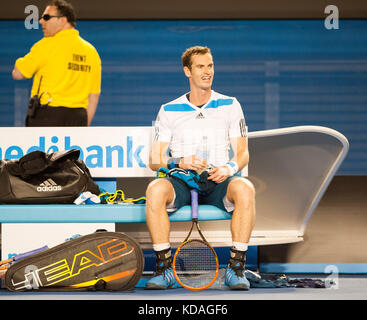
(48, 185)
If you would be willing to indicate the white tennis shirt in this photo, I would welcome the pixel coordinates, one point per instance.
(187, 127)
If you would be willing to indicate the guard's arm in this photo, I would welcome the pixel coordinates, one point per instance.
(17, 75)
(92, 106)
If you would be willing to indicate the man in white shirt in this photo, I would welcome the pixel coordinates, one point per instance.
(200, 119)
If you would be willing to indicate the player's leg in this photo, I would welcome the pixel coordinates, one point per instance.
(159, 193)
(161, 196)
(240, 193)
(237, 196)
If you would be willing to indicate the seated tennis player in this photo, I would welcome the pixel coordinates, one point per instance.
(200, 120)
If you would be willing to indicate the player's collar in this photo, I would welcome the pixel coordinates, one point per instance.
(204, 105)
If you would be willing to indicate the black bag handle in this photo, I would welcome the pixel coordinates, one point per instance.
(72, 154)
(30, 164)
(38, 161)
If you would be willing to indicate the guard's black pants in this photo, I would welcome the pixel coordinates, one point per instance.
(46, 116)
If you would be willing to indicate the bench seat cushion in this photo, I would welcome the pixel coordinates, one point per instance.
(97, 213)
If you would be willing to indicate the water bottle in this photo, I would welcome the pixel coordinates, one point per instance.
(202, 152)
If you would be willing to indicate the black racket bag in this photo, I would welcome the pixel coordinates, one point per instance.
(107, 261)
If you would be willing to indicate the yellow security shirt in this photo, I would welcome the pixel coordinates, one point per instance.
(70, 68)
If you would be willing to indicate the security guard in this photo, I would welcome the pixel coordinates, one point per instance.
(66, 72)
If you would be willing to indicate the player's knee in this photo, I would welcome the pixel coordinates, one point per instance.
(241, 189)
(158, 190)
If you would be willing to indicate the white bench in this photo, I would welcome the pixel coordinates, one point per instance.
(290, 168)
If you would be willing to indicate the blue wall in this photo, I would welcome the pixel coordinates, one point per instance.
(283, 72)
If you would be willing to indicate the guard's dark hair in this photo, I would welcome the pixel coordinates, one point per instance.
(65, 9)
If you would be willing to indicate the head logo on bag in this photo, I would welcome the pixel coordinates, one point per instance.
(61, 270)
(82, 263)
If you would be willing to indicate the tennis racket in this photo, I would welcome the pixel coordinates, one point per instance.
(195, 263)
(5, 264)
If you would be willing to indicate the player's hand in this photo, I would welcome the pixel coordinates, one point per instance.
(219, 174)
(192, 163)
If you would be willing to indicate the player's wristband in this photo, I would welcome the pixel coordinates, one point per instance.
(173, 163)
(233, 167)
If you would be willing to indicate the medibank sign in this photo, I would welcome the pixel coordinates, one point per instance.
(107, 151)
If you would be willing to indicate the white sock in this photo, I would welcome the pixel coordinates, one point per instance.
(161, 246)
(240, 246)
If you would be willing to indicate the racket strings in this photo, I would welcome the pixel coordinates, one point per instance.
(195, 264)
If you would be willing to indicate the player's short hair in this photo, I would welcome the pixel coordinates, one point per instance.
(186, 56)
(65, 9)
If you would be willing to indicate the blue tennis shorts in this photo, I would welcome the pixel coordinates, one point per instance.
(216, 198)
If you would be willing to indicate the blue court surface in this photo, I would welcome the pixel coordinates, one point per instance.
(347, 287)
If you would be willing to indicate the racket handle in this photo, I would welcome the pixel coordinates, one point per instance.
(29, 253)
(194, 204)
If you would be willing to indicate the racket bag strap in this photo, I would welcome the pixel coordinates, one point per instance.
(163, 260)
(100, 285)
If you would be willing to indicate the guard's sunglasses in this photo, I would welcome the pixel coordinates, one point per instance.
(47, 17)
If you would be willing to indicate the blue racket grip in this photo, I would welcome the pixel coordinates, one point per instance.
(194, 204)
(29, 253)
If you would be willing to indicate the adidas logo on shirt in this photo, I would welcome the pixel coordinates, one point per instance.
(48, 185)
(200, 116)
